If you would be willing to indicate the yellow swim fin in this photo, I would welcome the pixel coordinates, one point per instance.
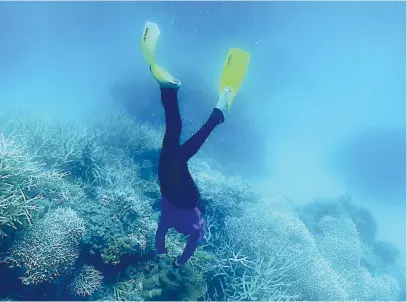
(234, 72)
(149, 40)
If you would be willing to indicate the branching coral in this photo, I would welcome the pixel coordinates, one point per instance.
(254, 248)
(124, 132)
(16, 209)
(49, 248)
(49, 141)
(63, 146)
(88, 281)
(89, 165)
(117, 214)
(221, 194)
(22, 182)
(243, 277)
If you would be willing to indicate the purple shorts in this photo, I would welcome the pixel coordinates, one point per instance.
(184, 221)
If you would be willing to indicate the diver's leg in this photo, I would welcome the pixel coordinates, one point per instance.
(191, 146)
(173, 123)
(169, 161)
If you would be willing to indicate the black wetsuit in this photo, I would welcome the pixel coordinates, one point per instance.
(175, 179)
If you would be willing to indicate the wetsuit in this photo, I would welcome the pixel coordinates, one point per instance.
(179, 193)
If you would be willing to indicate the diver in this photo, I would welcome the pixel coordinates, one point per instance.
(179, 194)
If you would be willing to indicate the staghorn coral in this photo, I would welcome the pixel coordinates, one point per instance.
(24, 183)
(63, 146)
(89, 165)
(88, 281)
(52, 142)
(49, 248)
(236, 275)
(125, 133)
(15, 209)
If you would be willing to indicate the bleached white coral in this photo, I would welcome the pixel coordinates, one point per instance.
(50, 248)
(86, 282)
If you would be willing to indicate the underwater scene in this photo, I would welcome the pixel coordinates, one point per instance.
(202, 151)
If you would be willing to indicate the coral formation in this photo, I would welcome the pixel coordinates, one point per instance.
(86, 282)
(66, 189)
(50, 248)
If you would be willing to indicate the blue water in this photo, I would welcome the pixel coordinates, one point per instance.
(321, 113)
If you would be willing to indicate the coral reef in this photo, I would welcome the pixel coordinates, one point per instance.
(185, 285)
(86, 282)
(80, 205)
(20, 177)
(50, 248)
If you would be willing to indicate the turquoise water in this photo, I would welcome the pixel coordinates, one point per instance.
(321, 114)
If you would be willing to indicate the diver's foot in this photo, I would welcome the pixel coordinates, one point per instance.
(164, 78)
(218, 115)
(223, 100)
